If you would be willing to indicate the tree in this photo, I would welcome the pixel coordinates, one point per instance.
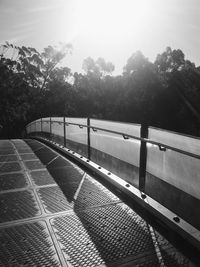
(98, 68)
(172, 60)
(137, 62)
(165, 94)
(35, 68)
(182, 91)
(25, 76)
(14, 98)
(142, 87)
(104, 67)
(90, 67)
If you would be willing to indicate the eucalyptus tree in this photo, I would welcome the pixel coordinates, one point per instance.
(182, 94)
(36, 68)
(142, 87)
(25, 77)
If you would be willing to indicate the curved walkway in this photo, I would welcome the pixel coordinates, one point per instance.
(53, 213)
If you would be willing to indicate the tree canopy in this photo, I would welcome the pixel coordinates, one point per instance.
(164, 93)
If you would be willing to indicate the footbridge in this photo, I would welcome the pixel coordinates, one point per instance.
(87, 192)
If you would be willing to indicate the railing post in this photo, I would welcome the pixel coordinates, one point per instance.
(41, 126)
(64, 132)
(143, 157)
(88, 137)
(35, 127)
(50, 128)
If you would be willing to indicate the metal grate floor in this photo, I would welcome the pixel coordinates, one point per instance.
(7, 167)
(27, 245)
(104, 235)
(12, 181)
(54, 214)
(42, 177)
(7, 158)
(18, 205)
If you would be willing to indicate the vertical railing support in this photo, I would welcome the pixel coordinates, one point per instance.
(41, 127)
(35, 127)
(64, 131)
(143, 158)
(50, 128)
(88, 138)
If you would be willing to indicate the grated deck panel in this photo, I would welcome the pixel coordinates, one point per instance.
(28, 156)
(54, 214)
(54, 200)
(7, 151)
(7, 158)
(104, 235)
(42, 177)
(27, 245)
(18, 205)
(34, 165)
(10, 167)
(12, 181)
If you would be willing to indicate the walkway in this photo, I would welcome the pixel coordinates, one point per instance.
(53, 213)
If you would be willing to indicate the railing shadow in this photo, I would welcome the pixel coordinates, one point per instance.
(102, 229)
(61, 170)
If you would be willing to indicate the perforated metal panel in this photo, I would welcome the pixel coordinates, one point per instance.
(9, 151)
(42, 177)
(77, 196)
(27, 245)
(54, 200)
(67, 175)
(93, 194)
(104, 235)
(46, 155)
(34, 145)
(34, 165)
(19, 143)
(94, 229)
(27, 156)
(24, 151)
(10, 167)
(12, 181)
(18, 205)
(7, 158)
(59, 162)
(5, 144)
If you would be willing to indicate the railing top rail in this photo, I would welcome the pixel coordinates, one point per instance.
(161, 146)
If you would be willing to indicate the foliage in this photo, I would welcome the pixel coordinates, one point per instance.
(25, 76)
(97, 68)
(165, 93)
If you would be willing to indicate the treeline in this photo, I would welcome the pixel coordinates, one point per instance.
(164, 94)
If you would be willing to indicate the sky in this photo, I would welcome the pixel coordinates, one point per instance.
(112, 29)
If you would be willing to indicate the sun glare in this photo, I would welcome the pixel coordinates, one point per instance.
(111, 19)
(109, 28)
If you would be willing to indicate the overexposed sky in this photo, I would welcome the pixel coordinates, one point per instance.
(112, 29)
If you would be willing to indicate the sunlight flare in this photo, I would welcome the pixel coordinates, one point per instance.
(111, 20)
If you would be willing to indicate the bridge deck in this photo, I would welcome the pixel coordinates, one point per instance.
(53, 213)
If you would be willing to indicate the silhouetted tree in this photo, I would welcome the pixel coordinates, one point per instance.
(182, 94)
(25, 75)
(142, 87)
(165, 94)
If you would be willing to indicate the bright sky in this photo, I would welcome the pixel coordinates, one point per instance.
(112, 29)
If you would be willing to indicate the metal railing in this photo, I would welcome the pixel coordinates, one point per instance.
(161, 164)
(161, 146)
(143, 139)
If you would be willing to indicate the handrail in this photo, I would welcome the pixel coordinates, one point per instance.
(142, 169)
(127, 136)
